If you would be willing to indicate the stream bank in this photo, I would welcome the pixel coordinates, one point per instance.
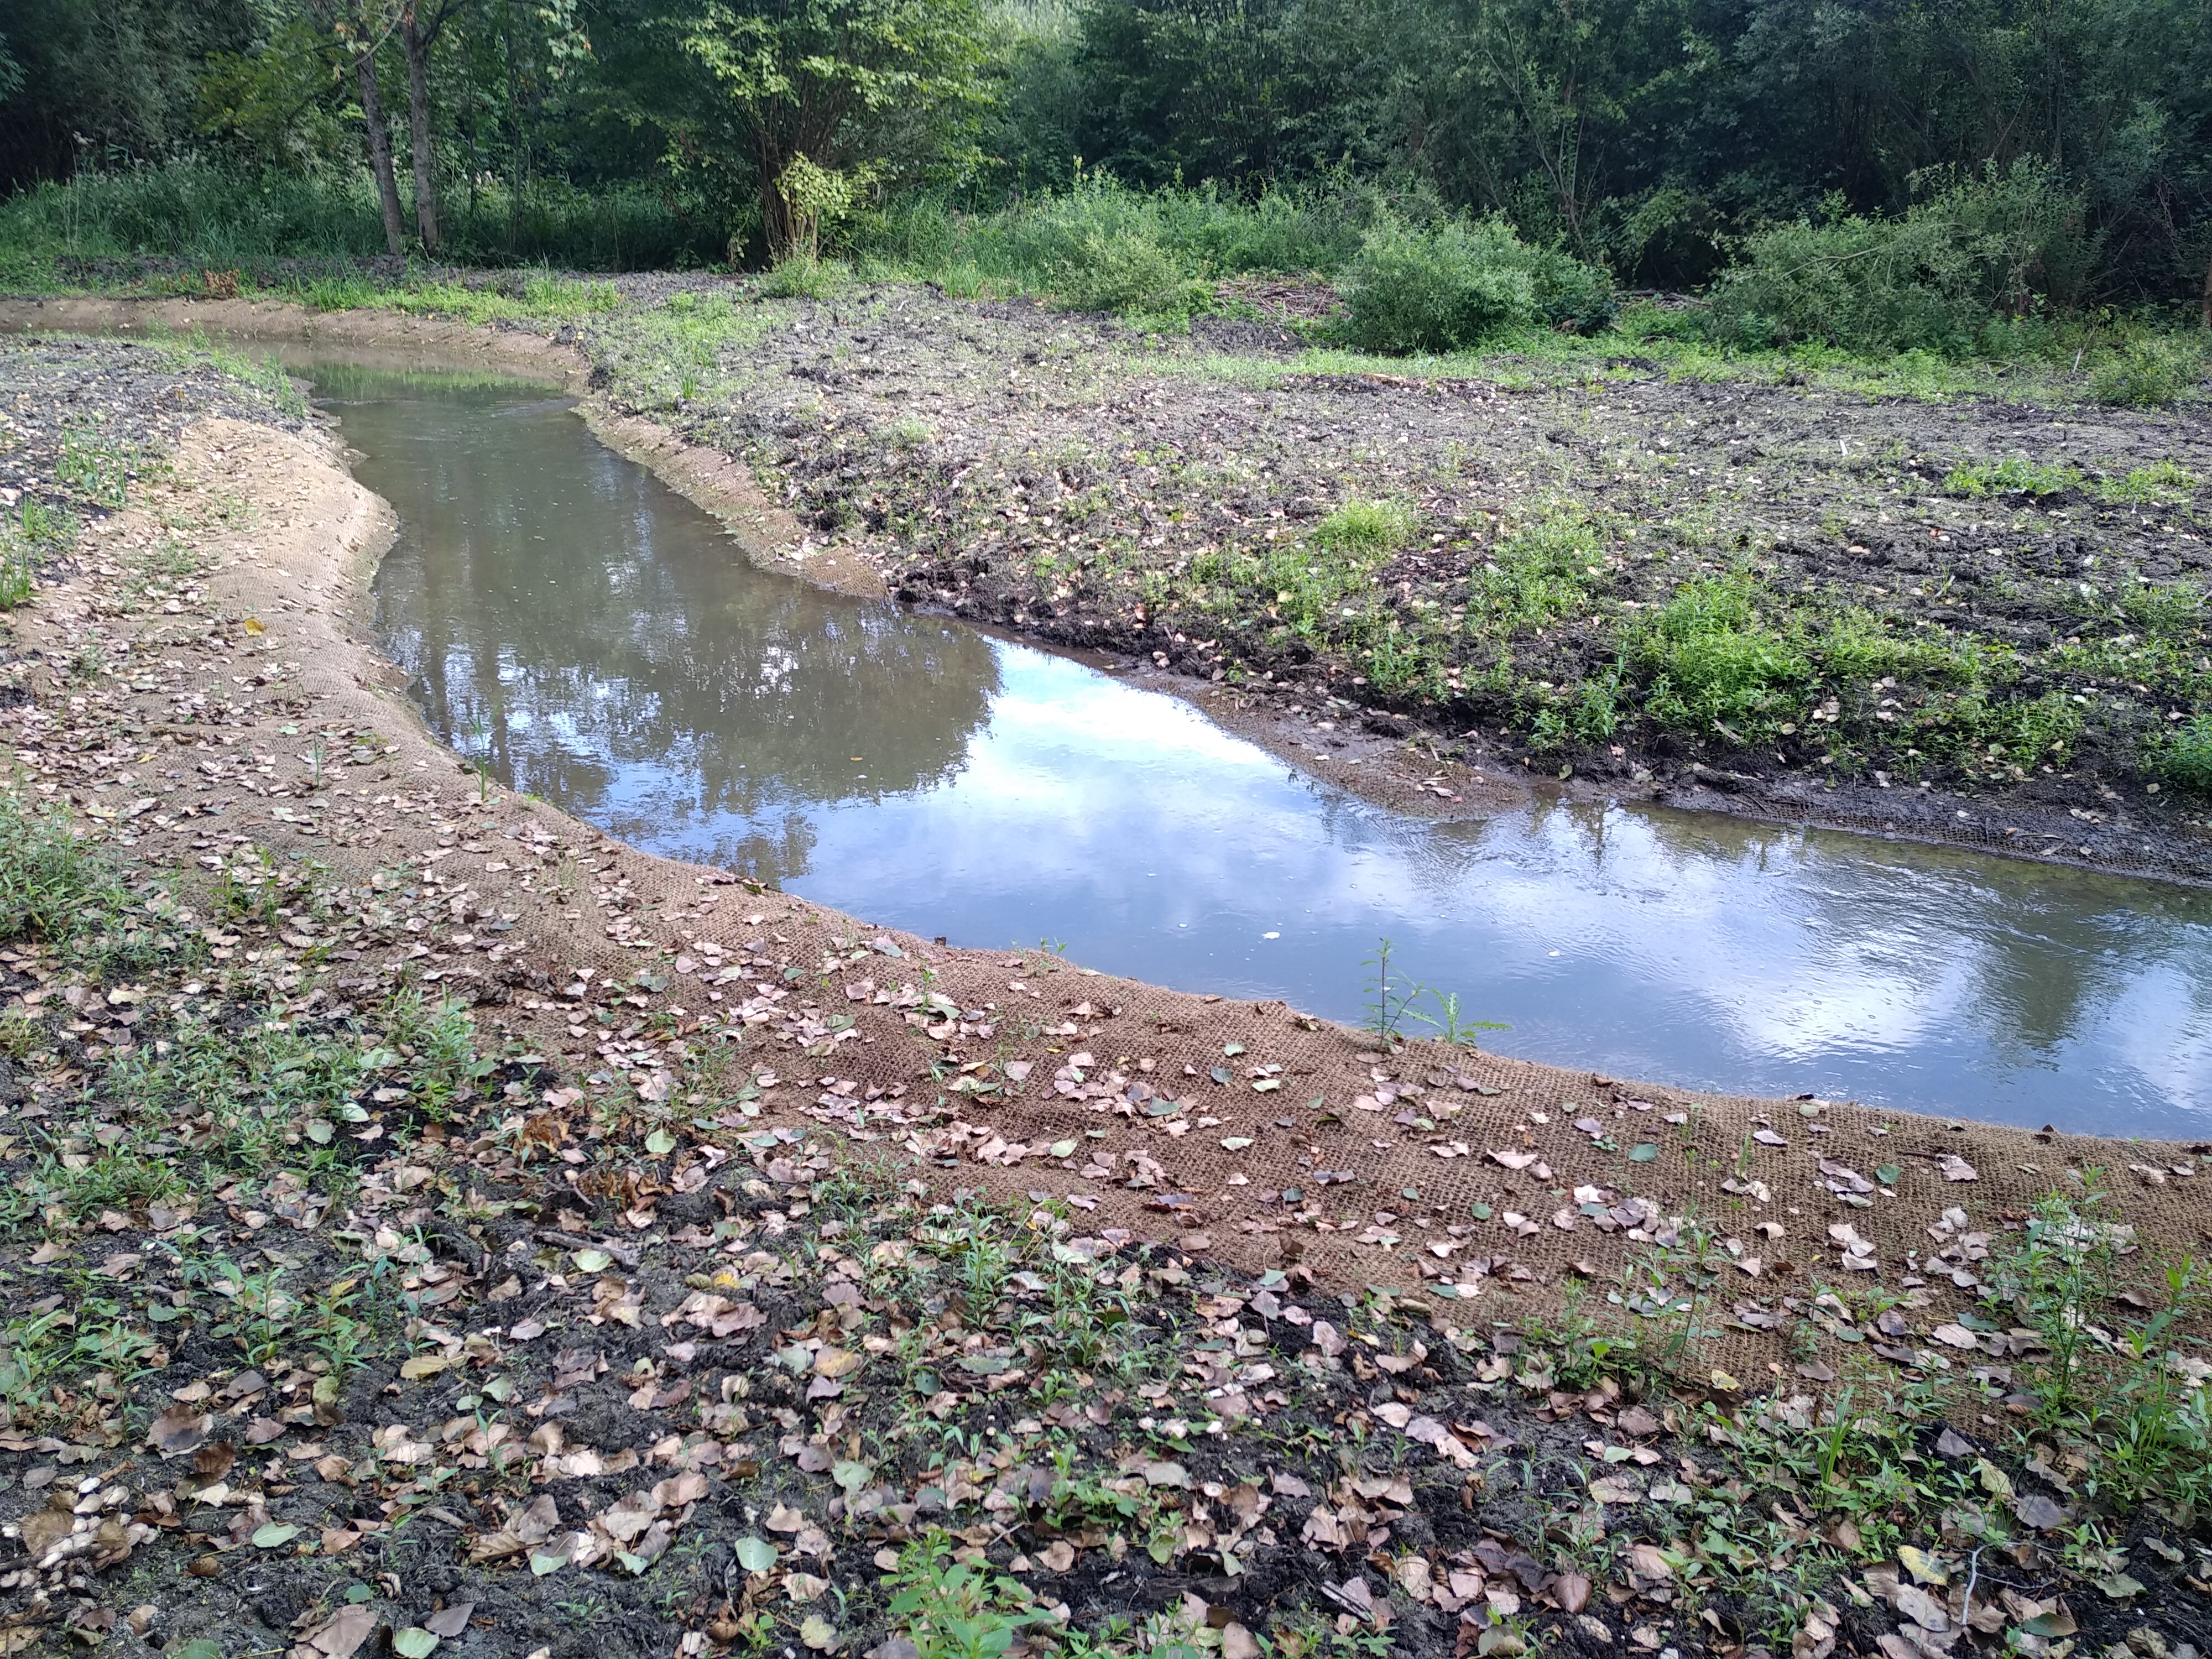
(799, 428)
(601, 1113)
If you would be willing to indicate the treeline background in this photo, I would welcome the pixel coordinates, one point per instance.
(1882, 173)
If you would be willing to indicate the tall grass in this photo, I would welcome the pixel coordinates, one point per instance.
(1101, 246)
(200, 213)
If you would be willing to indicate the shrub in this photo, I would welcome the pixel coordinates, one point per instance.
(1454, 286)
(1978, 248)
(2146, 375)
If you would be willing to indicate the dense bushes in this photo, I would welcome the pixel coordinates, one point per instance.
(1974, 251)
(1451, 286)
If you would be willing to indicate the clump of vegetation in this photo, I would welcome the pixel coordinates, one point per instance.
(2013, 475)
(1452, 286)
(2183, 756)
(2162, 484)
(1975, 249)
(2147, 373)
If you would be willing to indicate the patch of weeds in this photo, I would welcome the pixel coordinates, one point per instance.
(2130, 1397)
(2183, 756)
(2148, 374)
(1717, 667)
(53, 887)
(908, 432)
(802, 277)
(98, 470)
(2162, 484)
(1537, 574)
(950, 1609)
(2013, 475)
(1364, 528)
(433, 1044)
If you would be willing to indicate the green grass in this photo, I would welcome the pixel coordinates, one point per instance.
(2013, 475)
(212, 215)
(2162, 484)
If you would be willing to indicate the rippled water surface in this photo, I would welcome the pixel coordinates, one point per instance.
(606, 646)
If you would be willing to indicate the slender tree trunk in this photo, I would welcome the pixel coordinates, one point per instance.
(380, 148)
(418, 44)
(2208, 294)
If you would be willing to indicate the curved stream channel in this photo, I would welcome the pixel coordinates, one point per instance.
(598, 640)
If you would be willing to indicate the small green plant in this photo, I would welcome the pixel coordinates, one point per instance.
(1360, 526)
(803, 276)
(1447, 1022)
(2183, 756)
(950, 1610)
(2013, 475)
(96, 468)
(1388, 996)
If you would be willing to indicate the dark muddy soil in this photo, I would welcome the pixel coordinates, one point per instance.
(1787, 599)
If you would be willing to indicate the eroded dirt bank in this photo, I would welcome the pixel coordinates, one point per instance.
(431, 1215)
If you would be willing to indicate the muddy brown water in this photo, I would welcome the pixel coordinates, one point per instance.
(595, 638)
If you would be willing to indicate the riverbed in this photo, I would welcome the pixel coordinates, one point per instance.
(589, 635)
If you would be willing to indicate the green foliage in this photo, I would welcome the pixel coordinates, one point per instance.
(223, 217)
(1718, 666)
(950, 1610)
(53, 887)
(801, 277)
(2013, 475)
(1934, 279)
(1454, 286)
(2162, 484)
(2183, 756)
(1365, 529)
(2131, 1398)
(2147, 373)
(886, 83)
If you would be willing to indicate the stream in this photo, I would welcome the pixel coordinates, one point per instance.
(595, 638)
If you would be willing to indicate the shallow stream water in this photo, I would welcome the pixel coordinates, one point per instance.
(599, 642)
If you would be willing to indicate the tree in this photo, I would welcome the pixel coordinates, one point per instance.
(837, 83)
(421, 22)
(362, 35)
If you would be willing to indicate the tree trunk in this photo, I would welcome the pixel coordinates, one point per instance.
(418, 43)
(2208, 294)
(380, 148)
(778, 229)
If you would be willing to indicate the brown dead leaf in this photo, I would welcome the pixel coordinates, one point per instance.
(177, 1430)
(342, 1636)
(449, 1622)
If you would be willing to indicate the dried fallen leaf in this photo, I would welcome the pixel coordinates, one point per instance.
(343, 1636)
(177, 1430)
(1955, 1168)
